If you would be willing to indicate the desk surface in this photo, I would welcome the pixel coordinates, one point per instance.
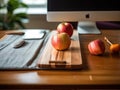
(97, 70)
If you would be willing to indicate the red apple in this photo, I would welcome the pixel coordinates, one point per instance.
(96, 47)
(61, 41)
(65, 27)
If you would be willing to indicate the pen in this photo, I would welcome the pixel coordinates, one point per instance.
(15, 33)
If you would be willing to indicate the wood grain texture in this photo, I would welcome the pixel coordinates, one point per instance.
(98, 72)
(66, 59)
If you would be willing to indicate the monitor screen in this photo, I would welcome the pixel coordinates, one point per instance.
(86, 12)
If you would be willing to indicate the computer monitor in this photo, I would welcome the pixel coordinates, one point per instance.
(85, 12)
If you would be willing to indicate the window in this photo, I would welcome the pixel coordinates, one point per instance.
(35, 3)
(36, 6)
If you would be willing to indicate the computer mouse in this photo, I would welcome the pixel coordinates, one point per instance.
(19, 43)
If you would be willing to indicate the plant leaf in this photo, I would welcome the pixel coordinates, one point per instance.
(12, 5)
(21, 25)
(24, 5)
(11, 20)
(21, 15)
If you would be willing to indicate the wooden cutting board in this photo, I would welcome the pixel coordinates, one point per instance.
(67, 59)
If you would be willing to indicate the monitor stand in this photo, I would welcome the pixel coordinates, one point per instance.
(87, 27)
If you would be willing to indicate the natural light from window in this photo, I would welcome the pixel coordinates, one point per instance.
(35, 2)
(36, 6)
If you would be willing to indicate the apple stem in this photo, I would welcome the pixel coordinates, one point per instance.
(107, 40)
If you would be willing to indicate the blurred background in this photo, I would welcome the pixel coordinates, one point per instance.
(35, 11)
(31, 14)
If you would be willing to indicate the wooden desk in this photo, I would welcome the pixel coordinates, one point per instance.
(98, 71)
